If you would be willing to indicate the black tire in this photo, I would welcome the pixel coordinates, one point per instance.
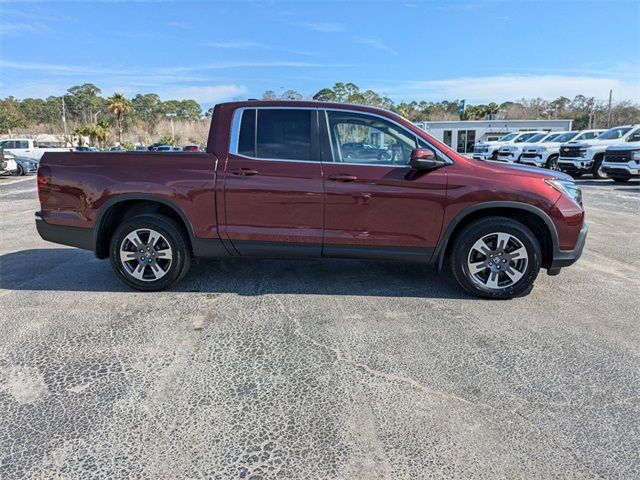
(19, 172)
(552, 162)
(463, 250)
(576, 175)
(172, 236)
(597, 165)
(621, 179)
(494, 155)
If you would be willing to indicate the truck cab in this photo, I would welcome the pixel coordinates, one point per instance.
(577, 159)
(545, 154)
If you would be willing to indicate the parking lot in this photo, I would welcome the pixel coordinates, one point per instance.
(318, 369)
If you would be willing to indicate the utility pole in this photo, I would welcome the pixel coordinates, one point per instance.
(609, 109)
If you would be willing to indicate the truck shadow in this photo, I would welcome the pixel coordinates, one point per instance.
(67, 269)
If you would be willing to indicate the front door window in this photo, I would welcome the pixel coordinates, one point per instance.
(368, 140)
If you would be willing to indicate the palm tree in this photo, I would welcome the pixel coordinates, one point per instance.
(119, 106)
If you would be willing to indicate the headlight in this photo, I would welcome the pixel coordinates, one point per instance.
(583, 152)
(542, 149)
(566, 187)
(635, 156)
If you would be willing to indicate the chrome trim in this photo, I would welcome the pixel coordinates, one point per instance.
(274, 159)
(234, 136)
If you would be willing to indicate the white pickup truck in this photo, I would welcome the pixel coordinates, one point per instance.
(545, 154)
(622, 162)
(28, 148)
(510, 152)
(489, 150)
(577, 159)
(8, 164)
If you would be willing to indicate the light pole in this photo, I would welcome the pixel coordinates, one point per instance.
(173, 135)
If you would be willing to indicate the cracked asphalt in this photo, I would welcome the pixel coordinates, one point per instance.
(318, 369)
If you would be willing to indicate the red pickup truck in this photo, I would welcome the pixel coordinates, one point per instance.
(283, 179)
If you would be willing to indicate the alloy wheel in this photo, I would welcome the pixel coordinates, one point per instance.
(497, 260)
(146, 255)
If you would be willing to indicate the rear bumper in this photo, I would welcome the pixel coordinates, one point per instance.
(564, 258)
(65, 235)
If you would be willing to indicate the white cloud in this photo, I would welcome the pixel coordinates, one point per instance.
(206, 94)
(377, 44)
(512, 87)
(236, 45)
(327, 27)
(20, 28)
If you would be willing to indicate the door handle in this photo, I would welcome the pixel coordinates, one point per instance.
(342, 178)
(244, 172)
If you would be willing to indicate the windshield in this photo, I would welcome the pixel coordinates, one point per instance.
(565, 137)
(614, 133)
(508, 137)
(551, 137)
(524, 137)
(537, 138)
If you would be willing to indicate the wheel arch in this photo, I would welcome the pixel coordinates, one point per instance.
(532, 217)
(122, 207)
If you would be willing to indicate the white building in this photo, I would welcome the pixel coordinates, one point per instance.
(463, 134)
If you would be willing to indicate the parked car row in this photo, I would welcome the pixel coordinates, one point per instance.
(613, 153)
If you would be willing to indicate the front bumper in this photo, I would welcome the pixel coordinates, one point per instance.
(623, 170)
(581, 165)
(564, 258)
(507, 157)
(482, 156)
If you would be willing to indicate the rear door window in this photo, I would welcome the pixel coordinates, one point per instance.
(283, 134)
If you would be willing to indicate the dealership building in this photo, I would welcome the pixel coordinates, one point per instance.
(463, 134)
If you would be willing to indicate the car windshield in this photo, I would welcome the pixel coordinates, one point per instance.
(614, 133)
(508, 137)
(565, 137)
(536, 138)
(550, 138)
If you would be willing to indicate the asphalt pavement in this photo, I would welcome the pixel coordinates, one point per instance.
(318, 369)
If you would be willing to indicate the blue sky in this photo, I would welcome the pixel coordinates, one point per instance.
(213, 51)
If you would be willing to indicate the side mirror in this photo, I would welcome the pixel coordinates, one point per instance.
(425, 159)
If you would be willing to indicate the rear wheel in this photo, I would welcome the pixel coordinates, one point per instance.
(496, 258)
(149, 252)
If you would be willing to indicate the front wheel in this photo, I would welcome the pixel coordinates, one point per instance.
(597, 168)
(552, 163)
(496, 257)
(621, 179)
(19, 172)
(149, 252)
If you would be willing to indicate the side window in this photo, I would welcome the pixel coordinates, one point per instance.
(361, 138)
(634, 137)
(283, 134)
(23, 144)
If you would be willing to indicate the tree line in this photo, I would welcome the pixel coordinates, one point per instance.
(83, 112)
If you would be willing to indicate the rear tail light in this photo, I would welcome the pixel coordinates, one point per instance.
(44, 182)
